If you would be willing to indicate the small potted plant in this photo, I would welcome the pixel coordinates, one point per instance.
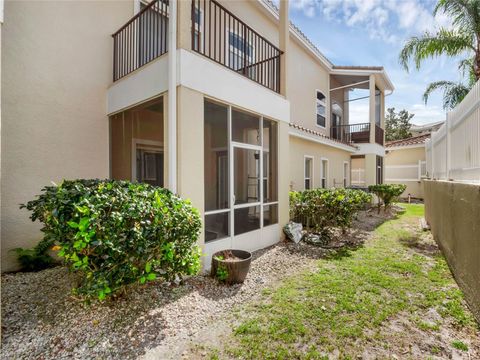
(231, 266)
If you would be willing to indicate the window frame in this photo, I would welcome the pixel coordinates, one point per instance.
(324, 177)
(346, 170)
(198, 29)
(322, 103)
(236, 51)
(312, 169)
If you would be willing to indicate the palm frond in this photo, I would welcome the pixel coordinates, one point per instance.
(444, 42)
(467, 67)
(453, 93)
(465, 13)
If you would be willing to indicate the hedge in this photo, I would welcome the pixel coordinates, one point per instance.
(115, 233)
(387, 193)
(321, 210)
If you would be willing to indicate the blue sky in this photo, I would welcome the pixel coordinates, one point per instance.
(372, 32)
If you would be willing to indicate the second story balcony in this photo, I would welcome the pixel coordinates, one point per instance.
(216, 33)
(356, 133)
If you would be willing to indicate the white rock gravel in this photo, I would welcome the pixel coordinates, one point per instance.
(40, 320)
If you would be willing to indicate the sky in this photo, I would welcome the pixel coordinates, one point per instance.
(372, 33)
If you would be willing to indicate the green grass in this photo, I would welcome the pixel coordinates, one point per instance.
(457, 344)
(345, 302)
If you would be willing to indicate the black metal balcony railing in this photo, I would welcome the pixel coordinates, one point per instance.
(224, 38)
(379, 135)
(352, 133)
(142, 39)
(356, 133)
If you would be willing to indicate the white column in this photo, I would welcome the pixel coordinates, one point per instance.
(448, 141)
(371, 108)
(284, 29)
(172, 97)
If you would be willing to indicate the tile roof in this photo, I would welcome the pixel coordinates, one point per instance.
(319, 134)
(415, 140)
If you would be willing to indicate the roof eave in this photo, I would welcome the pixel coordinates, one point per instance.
(387, 83)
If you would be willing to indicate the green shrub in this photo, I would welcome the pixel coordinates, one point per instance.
(37, 258)
(387, 193)
(323, 209)
(115, 233)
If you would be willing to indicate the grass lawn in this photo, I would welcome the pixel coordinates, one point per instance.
(394, 297)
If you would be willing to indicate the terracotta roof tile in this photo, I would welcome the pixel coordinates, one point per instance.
(415, 140)
(319, 134)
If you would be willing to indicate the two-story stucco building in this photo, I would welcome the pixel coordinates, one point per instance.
(224, 102)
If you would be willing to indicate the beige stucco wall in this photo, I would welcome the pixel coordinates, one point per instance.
(190, 176)
(56, 67)
(305, 76)
(284, 151)
(406, 156)
(299, 148)
(453, 212)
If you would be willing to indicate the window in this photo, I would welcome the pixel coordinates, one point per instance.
(308, 172)
(136, 144)
(377, 107)
(324, 173)
(245, 127)
(197, 33)
(345, 174)
(321, 106)
(379, 170)
(216, 156)
(149, 163)
(240, 51)
(270, 172)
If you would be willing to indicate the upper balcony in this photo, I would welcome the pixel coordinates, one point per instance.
(216, 33)
(356, 133)
(370, 85)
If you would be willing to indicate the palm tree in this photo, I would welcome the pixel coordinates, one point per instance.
(462, 39)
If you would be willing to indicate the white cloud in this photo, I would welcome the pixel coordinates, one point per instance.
(425, 114)
(382, 19)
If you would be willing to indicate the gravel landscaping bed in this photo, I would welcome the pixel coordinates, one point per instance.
(41, 320)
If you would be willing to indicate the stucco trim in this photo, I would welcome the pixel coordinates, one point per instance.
(319, 140)
(370, 149)
(393, 148)
(203, 75)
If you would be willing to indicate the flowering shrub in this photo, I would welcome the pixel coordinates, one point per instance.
(387, 193)
(115, 233)
(323, 209)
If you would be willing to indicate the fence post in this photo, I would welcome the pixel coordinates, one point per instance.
(447, 140)
(432, 147)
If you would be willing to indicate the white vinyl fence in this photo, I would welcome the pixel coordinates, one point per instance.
(358, 177)
(453, 152)
(404, 173)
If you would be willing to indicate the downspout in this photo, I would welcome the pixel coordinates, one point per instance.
(172, 97)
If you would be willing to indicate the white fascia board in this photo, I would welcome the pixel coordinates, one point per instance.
(365, 72)
(319, 140)
(364, 149)
(200, 74)
(207, 77)
(415, 146)
(143, 84)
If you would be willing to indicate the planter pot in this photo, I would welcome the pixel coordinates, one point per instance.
(232, 270)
